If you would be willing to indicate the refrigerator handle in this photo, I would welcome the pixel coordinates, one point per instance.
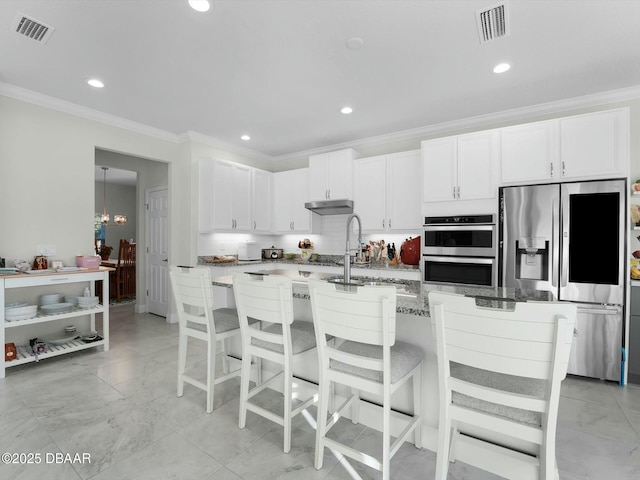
(555, 242)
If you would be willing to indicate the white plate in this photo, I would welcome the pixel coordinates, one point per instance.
(25, 316)
(61, 341)
(56, 308)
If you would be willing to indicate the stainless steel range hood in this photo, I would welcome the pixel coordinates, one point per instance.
(330, 207)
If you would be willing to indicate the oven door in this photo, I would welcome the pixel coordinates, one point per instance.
(468, 240)
(459, 270)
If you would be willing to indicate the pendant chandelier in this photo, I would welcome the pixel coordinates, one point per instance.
(104, 216)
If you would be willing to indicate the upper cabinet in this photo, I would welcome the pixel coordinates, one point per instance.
(461, 167)
(291, 189)
(234, 198)
(330, 175)
(386, 191)
(593, 145)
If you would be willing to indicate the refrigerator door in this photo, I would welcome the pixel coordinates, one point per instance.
(597, 343)
(529, 231)
(593, 242)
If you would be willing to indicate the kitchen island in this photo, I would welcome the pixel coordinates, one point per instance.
(413, 324)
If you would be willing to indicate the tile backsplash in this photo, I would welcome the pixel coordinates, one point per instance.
(331, 240)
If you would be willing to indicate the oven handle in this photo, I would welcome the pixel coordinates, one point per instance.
(476, 260)
(458, 228)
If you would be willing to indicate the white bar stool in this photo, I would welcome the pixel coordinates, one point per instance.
(365, 356)
(192, 291)
(499, 367)
(269, 299)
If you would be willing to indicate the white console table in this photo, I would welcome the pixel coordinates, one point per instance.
(24, 287)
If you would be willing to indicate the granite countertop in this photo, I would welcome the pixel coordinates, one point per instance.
(413, 296)
(324, 260)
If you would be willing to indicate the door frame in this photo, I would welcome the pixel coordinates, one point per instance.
(148, 238)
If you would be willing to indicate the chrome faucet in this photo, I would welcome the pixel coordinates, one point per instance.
(347, 253)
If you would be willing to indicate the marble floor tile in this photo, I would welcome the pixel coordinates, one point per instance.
(597, 419)
(223, 473)
(170, 457)
(156, 383)
(592, 457)
(217, 433)
(628, 397)
(110, 434)
(48, 462)
(588, 390)
(119, 372)
(12, 407)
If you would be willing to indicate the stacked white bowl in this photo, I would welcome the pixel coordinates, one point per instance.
(19, 311)
(50, 298)
(87, 302)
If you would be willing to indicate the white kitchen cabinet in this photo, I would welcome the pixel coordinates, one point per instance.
(290, 192)
(529, 152)
(262, 201)
(386, 191)
(330, 175)
(27, 288)
(594, 145)
(460, 167)
(234, 198)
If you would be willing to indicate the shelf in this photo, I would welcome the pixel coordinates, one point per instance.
(25, 355)
(78, 312)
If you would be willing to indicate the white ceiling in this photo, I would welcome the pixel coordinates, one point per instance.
(280, 70)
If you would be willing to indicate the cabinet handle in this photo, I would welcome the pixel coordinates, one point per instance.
(383, 223)
(458, 192)
(551, 165)
(563, 168)
(254, 224)
(329, 194)
(389, 223)
(454, 192)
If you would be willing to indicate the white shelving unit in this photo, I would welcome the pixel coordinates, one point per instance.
(26, 281)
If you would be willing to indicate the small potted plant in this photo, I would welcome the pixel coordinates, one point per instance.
(105, 251)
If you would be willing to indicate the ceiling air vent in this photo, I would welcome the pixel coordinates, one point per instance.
(492, 22)
(32, 28)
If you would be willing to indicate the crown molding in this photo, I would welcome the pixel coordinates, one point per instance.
(444, 128)
(217, 143)
(586, 101)
(64, 106)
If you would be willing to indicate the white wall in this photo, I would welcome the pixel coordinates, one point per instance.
(47, 162)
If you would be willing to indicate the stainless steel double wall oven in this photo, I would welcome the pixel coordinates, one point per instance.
(460, 250)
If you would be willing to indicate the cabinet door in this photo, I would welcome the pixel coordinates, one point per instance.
(369, 192)
(339, 166)
(206, 198)
(477, 160)
(439, 169)
(593, 144)
(299, 186)
(318, 165)
(261, 201)
(242, 199)
(222, 185)
(529, 152)
(403, 191)
(282, 202)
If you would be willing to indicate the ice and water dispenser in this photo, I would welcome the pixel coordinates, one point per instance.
(532, 258)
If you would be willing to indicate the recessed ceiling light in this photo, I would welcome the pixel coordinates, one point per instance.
(94, 82)
(346, 110)
(355, 43)
(501, 68)
(200, 5)
(245, 137)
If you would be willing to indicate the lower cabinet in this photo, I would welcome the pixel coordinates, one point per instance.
(50, 326)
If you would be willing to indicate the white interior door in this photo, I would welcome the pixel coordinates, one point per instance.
(157, 251)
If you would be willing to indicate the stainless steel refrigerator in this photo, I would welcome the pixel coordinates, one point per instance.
(570, 239)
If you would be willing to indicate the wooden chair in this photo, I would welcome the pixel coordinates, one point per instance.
(192, 291)
(499, 375)
(126, 270)
(281, 340)
(365, 356)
